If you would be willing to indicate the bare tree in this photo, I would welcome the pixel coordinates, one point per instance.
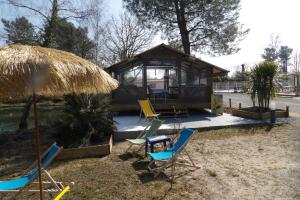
(271, 52)
(51, 11)
(123, 38)
(296, 59)
(96, 27)
(274, 41)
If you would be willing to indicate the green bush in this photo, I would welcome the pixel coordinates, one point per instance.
(262, 83)
(86, 120)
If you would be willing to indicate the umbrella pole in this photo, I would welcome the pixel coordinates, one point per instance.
(37, 144)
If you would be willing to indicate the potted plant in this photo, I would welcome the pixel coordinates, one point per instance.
(262, 89)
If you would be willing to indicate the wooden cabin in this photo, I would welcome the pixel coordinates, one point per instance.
(167, 77)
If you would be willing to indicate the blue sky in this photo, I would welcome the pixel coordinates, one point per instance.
(263, 17)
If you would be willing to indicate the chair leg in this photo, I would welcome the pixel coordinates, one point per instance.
(51, 180)
(158, 169)
(173, 171)
(128, 148)
(191, 160)
(141, 112)
(140, 148)
(149, 165)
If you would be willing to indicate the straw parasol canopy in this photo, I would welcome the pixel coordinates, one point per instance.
(27, 70)
(52, 72)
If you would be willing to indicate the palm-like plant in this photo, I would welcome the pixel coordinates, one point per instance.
(262, 83)
(86, 119)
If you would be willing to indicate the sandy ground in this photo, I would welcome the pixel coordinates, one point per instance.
(260, 163)
(261, 166)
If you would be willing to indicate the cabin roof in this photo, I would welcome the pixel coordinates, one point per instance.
(164, 51)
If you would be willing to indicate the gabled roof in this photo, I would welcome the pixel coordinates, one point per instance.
(169, 53)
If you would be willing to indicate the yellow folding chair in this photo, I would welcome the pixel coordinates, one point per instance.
(147, 109)
(62, 193)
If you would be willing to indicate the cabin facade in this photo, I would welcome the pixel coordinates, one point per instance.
(167, 77)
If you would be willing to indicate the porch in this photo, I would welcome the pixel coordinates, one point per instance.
(167, 77)
(129, 126)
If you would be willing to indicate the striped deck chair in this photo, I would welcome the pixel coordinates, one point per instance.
(141, 139)
(147, 109)
(20, 184)
(171, 156)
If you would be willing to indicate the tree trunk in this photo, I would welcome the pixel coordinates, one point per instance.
(180, 8)
(23, 121)
(50, 29)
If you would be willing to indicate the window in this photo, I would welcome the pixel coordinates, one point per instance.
(133, 76)
(203, 81)
(173, 82)
(194, 76)
(161, 77)
(183, 77)
(203, 78)
(156, 77)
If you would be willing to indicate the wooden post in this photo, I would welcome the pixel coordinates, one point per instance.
(178, 67)
(287, 111)
(37, 144)
(240, 106)
(229, 102)
(23, 122)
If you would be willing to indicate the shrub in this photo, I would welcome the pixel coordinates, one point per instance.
(262, 83)
(86, 120)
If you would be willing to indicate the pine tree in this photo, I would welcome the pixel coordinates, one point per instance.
(203, 25)
(20, 31)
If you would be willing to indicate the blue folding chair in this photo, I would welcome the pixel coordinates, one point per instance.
(20, 184)
(170, 157)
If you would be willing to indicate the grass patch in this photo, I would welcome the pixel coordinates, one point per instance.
(238, 131)
(117, 176)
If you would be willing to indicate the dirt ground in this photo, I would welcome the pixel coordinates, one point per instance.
(260, 166)
(234, 163)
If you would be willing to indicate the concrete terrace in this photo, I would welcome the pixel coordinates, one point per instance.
(129, 126)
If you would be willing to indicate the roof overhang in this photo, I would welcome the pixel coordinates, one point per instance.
(217, 71)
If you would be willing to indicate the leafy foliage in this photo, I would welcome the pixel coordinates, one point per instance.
(20, 31)
(262, 83)
(86, 120)
(284, 54)
(201, 25)
(51, 10)
(270, 54)
(69, 38)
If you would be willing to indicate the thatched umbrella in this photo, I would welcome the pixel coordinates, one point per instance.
(27, 70)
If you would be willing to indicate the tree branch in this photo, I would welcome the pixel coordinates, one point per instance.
(14, 3)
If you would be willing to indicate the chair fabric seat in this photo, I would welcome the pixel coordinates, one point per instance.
(14, 184)
(147, 109)
(32, 174)
(137, 141)
(165, 155)
(175, 149)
